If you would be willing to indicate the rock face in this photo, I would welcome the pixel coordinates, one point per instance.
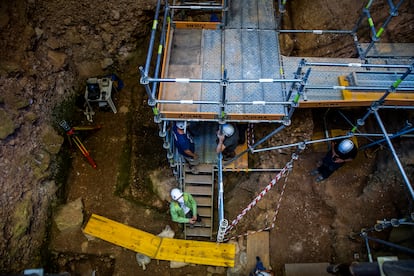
(48, 49)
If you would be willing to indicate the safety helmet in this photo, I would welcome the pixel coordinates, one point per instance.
(176, 193)
(345, 146)
(180, 124)
(228, 130)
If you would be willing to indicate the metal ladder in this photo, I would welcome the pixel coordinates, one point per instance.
(201, 187)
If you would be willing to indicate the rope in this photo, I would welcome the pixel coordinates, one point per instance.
(222, 230)
(273, 182)
(250, 135)
(274, 217)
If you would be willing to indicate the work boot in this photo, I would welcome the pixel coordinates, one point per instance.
(194, 170)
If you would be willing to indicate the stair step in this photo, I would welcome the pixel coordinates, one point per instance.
(206, 222)
(198, 232)
(204, 211)
(198, 178)
(199, 190)
(203, 200)
(202, 168)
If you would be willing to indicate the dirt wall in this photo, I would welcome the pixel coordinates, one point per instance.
(48, 50)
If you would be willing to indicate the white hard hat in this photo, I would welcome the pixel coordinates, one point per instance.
(345, 146)
(180, 124)
(228, 130)
(176, 193)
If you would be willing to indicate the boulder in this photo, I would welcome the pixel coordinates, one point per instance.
(70, 216)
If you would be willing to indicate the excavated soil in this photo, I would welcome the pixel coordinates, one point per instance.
(313, 222)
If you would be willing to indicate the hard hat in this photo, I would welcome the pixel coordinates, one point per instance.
(228, 130)
(176, 193)
(345, 146)
(180, 124)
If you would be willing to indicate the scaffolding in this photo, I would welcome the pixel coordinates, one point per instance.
(229, 68)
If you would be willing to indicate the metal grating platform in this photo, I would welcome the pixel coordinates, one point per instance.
(251, 14)
(211, 64)
(248, 49)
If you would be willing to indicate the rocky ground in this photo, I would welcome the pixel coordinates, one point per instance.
(52, 47)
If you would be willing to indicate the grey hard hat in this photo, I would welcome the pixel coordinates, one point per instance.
(228, 130)
(345, 146)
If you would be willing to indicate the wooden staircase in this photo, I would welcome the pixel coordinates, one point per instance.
(201, 187)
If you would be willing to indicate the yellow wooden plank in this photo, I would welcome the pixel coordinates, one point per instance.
(197, 252)
(242, 163)
(122, 235)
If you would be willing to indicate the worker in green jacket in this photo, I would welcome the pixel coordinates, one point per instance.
(183, 207)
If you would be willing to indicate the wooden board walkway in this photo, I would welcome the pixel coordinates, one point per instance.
(196, 252)
(258, 245)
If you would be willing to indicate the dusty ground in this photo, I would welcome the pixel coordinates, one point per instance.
(46, 59)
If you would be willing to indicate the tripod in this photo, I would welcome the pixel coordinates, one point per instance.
(73, 138)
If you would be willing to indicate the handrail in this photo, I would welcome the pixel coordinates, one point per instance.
(220, 200)
(161, 47)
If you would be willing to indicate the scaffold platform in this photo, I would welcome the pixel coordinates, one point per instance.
(244, 57)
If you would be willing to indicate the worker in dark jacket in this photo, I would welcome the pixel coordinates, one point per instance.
(227, 141)
(184, 143)
(342, 151)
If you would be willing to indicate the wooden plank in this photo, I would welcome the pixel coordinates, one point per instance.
(183, 115)
(241, 163)
(197, 252)
(196, 25)
(203, 200)
(199, 178)
(198, 190)
(206, 253)
(122, 235)
(198, 232)
(255, 117)
(204, 211)
(257, 245)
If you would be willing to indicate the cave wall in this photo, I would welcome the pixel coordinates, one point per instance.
(49, 50)
(50, 47)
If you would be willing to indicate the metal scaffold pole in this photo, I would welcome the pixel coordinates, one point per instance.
(161, 48)
(397, 160)
(375, 35)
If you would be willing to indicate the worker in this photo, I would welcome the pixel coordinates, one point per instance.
(342, 151)
(184, 143)
(183, 208)
(260, 270)
(227, 141)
